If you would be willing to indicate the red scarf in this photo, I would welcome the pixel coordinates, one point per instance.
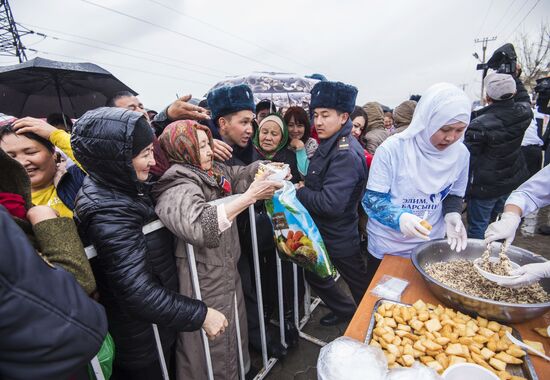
(15, 204)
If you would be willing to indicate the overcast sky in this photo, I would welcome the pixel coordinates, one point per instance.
(388, 49)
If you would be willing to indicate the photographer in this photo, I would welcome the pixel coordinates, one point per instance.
(494, 138)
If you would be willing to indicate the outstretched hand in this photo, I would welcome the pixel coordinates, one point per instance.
(181, 109)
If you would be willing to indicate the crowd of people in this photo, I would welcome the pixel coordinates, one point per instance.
(375, 181)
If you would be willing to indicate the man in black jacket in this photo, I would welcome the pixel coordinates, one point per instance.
(49, 327)
(494, 137)
(334, 185)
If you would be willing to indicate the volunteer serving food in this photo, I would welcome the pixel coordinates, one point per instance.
(529, 197)
(418, 179)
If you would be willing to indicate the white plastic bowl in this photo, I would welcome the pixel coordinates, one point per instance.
(491, 276)
(469, 371)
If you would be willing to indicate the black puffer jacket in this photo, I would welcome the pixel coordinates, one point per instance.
(494, 136)
(135, 273)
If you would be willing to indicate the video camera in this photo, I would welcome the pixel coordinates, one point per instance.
(543, 95)
(503, 60)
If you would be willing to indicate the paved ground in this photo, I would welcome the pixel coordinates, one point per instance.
(300, 363)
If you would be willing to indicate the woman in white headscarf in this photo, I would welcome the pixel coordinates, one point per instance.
(419, 176)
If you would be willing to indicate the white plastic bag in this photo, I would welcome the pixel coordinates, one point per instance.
(416, 372)
(348, 359)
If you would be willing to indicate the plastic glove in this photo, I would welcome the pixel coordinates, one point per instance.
(456, 232)
(409, 225)
(529, 274)
(505, 228)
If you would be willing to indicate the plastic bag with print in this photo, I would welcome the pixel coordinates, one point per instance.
(296, 236)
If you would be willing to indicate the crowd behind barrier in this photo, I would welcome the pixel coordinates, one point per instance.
(167, 229)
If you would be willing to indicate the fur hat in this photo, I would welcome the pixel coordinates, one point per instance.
(225, 100)
(335, 95)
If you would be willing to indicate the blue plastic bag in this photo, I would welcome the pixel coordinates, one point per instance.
(295, 233)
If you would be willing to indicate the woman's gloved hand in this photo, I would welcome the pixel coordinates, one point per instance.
(504, 228)
(529, 274)
(456, 232)
(410, 225)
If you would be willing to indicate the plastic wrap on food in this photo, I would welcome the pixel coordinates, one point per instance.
(416, 372)
(348, 359)
(390, 288)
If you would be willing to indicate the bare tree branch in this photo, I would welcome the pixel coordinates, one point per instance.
(534, 55)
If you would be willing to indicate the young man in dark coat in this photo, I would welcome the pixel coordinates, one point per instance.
(334, 185)
(494, 137)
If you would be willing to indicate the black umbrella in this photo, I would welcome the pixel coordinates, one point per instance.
(40, 87)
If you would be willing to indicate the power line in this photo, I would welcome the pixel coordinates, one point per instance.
(514, 17)
(183, 35)
(523, 19)
(485, 18)
(505, 14)
(118, 66)
(123, 54)
(215, 27)
(124, 47)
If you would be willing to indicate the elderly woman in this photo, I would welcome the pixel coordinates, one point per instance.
(271, 143)
(420, 174)
(183, 194)
(403, 114)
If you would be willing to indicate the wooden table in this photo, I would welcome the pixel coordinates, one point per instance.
(402, 268)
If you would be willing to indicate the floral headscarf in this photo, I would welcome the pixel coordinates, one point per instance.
(284, 136)
(180, 142)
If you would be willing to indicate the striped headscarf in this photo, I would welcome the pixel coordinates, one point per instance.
(180, 142)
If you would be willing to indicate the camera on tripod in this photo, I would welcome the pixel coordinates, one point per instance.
(503, 60)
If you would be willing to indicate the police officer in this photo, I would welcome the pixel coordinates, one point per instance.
(334, 185)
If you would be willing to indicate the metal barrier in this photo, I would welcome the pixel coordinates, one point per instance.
(268, 362)
(96, 367)
(197, 291)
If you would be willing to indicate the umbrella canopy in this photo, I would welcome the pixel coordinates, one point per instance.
(40, 87)
(283, 89)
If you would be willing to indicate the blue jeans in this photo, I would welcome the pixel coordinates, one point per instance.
(481, 212)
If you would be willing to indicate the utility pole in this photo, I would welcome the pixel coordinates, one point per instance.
(10, 37)
(484, 41)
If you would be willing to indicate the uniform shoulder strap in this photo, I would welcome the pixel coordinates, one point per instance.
(343, 143)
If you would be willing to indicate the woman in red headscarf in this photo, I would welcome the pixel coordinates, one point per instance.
(193, 202)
